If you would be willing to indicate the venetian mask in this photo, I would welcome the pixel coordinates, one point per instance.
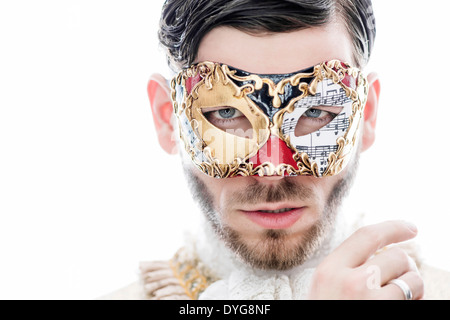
(236, 123)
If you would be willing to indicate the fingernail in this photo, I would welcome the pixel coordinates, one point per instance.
(411, 226)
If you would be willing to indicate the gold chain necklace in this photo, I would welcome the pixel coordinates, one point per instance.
(192, 276)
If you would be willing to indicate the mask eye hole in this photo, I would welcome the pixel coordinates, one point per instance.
(316, 118)
(230, 120)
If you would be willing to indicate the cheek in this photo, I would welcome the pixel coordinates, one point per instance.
(226, 190)
(214, 186)
(219, 190)
(326, 185)
(321, 189)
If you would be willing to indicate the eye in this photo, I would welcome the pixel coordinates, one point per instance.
(315, 118)
(223, 114)
(230, 120)
(227, 113)
(316, 113)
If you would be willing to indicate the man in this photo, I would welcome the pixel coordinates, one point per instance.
(273, 110)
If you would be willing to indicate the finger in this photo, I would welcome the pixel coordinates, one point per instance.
(414, 282)
(362, 244)
(390, 264)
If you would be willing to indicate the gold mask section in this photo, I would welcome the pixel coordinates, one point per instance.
(226, 146)
(217, 90)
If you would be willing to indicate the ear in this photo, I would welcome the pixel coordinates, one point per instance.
(161, 105)
(370, 111)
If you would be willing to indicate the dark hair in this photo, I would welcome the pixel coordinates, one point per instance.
(185, 22)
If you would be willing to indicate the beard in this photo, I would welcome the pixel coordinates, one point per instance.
(276, 250)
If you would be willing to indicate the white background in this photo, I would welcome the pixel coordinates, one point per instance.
(86, 192)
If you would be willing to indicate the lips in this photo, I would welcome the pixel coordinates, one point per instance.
(276, 211)
(279, 218)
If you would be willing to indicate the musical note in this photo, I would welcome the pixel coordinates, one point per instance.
(340, 122)
(317, 151)
(337, 99)
(331, 92)
(288, 125)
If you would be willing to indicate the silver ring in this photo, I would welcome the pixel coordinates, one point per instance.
(404, 287)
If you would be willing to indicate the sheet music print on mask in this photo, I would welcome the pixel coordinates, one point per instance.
(320, 143)
(186, 127)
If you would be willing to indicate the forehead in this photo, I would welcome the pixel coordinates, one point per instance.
(276, 52)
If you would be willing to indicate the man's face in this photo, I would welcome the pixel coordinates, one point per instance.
(273, 222)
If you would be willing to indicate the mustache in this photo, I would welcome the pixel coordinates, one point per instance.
(286, 190)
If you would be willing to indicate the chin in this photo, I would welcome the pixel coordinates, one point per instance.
(275, 249)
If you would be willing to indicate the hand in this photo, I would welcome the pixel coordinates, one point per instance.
(355, 270)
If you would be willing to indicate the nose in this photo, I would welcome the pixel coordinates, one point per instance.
(276, 152)
(269, 179)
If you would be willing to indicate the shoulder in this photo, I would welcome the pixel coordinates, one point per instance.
(437, 283)
(157, 282)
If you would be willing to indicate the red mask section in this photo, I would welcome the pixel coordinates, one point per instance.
(276, 152)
